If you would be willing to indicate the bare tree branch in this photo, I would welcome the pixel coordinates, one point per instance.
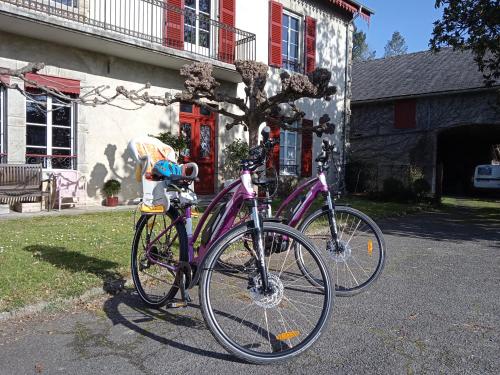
(201, 88)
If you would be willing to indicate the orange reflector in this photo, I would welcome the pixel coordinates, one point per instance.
(370, 247)
(287, 335)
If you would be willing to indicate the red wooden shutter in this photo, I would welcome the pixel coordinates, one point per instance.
(227, 15)
(275, 134)
(275, 30)
(310, 41)
(405, 114)
(68, 86)
(307, 143)
(174, 24)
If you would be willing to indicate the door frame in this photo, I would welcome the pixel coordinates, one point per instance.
(196, 118)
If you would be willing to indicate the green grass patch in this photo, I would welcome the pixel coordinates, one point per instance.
(47, 257)
(484, 210)
(380, 209)
(470, 202)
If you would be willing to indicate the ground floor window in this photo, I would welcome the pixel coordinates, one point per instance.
(288, 153)
(3, 128)
(50, 131)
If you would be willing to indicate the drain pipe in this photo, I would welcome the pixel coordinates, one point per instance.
(346, 88)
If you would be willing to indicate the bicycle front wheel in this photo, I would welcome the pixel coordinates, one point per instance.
(257, 326)
(360, 258)
(154, 271)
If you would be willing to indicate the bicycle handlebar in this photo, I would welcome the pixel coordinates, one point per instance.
(258, 154)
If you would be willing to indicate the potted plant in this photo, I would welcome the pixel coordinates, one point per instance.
(111, 188)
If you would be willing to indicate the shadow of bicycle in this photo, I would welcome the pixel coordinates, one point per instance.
(127, 309)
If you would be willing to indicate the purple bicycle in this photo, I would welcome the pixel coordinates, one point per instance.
(254, 296)
(350, 240)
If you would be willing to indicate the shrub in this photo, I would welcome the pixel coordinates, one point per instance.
(287, 185)
(177, 142)
(421, 188)
(111, 187)
(233, 153)
(395, 190)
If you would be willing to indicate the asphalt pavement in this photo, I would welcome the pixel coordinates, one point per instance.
(435, 309)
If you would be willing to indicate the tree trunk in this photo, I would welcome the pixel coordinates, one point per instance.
(253, 135)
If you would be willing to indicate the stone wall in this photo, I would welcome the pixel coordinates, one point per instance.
(375, 143)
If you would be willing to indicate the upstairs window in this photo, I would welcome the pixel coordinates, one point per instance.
(197, 23)
(66, 3)
(50, 138)
(405, 114)
(290, 42)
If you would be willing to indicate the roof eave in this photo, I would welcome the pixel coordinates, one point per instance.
(354, 7)
(422, 95)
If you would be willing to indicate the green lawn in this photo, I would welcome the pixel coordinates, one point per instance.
(51, 257)
(62, 256)
(378, 209)
(470, 203)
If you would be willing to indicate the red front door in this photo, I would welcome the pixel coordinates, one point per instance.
(198, 127)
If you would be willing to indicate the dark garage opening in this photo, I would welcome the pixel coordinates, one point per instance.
(460, 150)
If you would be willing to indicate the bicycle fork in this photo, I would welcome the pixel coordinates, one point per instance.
(332, 222)
(258, 247)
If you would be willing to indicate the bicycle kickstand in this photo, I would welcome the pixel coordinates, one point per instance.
(185, 297)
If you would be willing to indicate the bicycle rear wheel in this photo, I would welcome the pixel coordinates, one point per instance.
(361, 256)
(263, 327)
(156, 284)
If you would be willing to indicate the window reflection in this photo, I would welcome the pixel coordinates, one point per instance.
(186, 134)
(205, 141)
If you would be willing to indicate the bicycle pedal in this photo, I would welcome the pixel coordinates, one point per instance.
(177, 304)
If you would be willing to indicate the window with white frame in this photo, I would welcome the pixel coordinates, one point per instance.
(50, 129)
(288, 153)
(291, 41)
(68, 3)
(197, 22)
(3, 129)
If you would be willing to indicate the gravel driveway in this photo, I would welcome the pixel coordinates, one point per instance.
(435, 309)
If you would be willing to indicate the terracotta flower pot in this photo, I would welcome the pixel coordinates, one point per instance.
(111, 201)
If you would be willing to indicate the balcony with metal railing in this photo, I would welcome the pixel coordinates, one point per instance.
(151, 25)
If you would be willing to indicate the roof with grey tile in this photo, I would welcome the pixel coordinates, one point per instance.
(420, 73)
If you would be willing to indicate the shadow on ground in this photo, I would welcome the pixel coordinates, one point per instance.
(128, 310)
(455, 224)
(74, 261)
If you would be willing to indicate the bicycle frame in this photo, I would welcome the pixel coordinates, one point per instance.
(317, 186)
(244, 191)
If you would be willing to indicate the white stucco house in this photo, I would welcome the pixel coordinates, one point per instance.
(130, 42)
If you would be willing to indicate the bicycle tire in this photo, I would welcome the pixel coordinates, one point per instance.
(373, 236)
(139, 262)
(216, 264)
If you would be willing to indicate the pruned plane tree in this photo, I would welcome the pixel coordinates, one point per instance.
(202, 89)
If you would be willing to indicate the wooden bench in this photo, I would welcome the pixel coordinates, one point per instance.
(22, 182)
